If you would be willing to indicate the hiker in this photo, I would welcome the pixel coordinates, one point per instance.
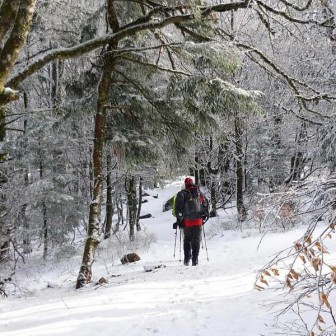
(191, 210)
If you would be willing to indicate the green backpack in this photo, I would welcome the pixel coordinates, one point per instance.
(174, 206)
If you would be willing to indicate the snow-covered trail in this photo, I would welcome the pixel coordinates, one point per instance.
(217, 297)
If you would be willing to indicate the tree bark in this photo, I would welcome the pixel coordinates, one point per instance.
(298, 160)
(131, 205)
(120, 211)
(109, 202)
(93, 234)
(23, 217)
(139, 206)
(213, 187)
(8, 11)
(44, 216)
(45, 231)
(239, 170)
(17, 37)
(15, 18)
(213, 199)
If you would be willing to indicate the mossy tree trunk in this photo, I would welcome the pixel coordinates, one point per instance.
(15, 22)
(13, 34)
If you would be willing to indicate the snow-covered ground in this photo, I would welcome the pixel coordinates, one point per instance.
(217, 297)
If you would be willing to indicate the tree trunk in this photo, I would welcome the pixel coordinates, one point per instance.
(26, 242)
(196, 171)
(275, 174)
(213, 172)
(213, 199)
(23, 218)
(120, 213)
(224, 167)
(139, 206)
(4, 249)
(109, 202)
(45, 231)
(4, 236)
(131, 205)
(44, 217)
(239, 170)
(93, 233)
(2, 130)
(18, 33)
(92, 241)
(298, 160)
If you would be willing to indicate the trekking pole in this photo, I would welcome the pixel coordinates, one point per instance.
(204, 221)
(180, 245)
(205, 244)
(175, 242)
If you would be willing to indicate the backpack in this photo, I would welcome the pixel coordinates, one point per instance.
(192, 204)
(174, 206)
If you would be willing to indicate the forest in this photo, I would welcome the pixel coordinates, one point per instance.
(100, 100)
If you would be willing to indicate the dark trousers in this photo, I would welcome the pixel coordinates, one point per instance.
(192, 242)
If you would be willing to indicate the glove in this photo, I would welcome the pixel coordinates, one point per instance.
(175, 226)
(204, 216)
(180, 223)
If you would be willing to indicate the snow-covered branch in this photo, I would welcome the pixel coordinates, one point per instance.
(147, 22)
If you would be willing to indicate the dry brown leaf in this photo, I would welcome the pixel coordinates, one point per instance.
(257, 287)
(295, 274)
(316, 263)
(320, 318)
(325, 300)
(303, 258)
(275, 271)
(308, 239)
(333, 277)
(264, 281)
(298, 246)
(321, 247)
(332, 226)
(267, 273)
(324, 250)
(288, 283)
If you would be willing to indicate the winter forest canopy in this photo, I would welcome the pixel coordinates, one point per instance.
(99, 101)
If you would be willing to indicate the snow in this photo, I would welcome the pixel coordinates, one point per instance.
(8, 91)
(217, 297)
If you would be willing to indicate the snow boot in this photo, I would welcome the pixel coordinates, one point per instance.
(186, 262)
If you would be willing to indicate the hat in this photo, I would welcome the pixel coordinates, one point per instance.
(188, 182)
